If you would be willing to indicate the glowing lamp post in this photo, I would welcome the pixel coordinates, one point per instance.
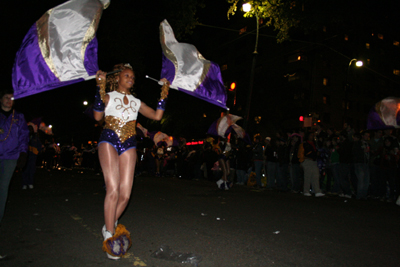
(358, 64)
(247, 8)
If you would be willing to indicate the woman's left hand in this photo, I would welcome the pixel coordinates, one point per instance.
(100, 77)
(164, 88)
(165, 81)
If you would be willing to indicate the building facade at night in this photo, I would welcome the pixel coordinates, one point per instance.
(314, 77)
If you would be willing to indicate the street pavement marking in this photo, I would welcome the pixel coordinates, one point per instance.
(129, 256)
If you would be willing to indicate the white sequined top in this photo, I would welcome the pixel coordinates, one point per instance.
(117, 108)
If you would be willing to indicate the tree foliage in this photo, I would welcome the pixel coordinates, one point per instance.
(182, 15)
(282, 15)
(306, 16)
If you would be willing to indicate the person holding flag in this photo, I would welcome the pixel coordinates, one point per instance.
(61, 49)
(117, 148)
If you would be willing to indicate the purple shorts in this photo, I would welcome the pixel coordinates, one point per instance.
(109, 136)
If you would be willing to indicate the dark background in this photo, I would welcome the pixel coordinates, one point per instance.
(129, 32)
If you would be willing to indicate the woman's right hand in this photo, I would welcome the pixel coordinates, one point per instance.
(100, 77)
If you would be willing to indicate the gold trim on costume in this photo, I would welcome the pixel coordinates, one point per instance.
(42, 27)
(122, 129)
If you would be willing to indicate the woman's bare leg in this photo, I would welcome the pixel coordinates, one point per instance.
(223, 168)
(109, 161)
(127, 163)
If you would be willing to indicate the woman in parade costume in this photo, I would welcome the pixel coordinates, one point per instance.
(117, 148)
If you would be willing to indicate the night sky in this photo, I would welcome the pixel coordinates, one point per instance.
(128, 32)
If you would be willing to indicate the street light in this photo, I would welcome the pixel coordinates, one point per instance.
(247, 8)
(358, 64)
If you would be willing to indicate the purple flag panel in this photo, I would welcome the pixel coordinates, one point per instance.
(384, 115)
(226, 125)
(59, 49)
(213, 129)
(188, 71)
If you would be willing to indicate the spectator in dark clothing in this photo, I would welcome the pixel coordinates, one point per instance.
(150, 158)
(169, 168)
(347, 131)
(390, 158)
(181, 164)
(271, 156)
(310, 167)
(35, 147)
(243, 162)
(283, 160)
(67, 156)
(360, 153)
(334, 164)
(258, 159)
(378, 182)
(49, 154)
(294, 168)
(323, 156)
(193, 164)
(345, 161)
(209, 157)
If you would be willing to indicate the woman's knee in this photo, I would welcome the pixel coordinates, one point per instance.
(112, 193)
(124, 198)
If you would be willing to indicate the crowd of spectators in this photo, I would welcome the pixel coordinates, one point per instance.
(68, 156)
(323, 161)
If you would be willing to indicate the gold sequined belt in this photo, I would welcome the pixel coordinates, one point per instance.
(122, 129)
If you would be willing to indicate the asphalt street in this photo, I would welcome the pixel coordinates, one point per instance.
(59, 221)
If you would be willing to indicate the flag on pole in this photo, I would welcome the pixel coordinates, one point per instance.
(188, 71)
(384, 114)
(226, 125)
(158, 137)
(220, 126)
(59, 49)
(141, 130)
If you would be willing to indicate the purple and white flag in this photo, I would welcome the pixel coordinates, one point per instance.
(220, 127)
(226, 125)
(385, 114)
(188, 71)
(59, 49)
